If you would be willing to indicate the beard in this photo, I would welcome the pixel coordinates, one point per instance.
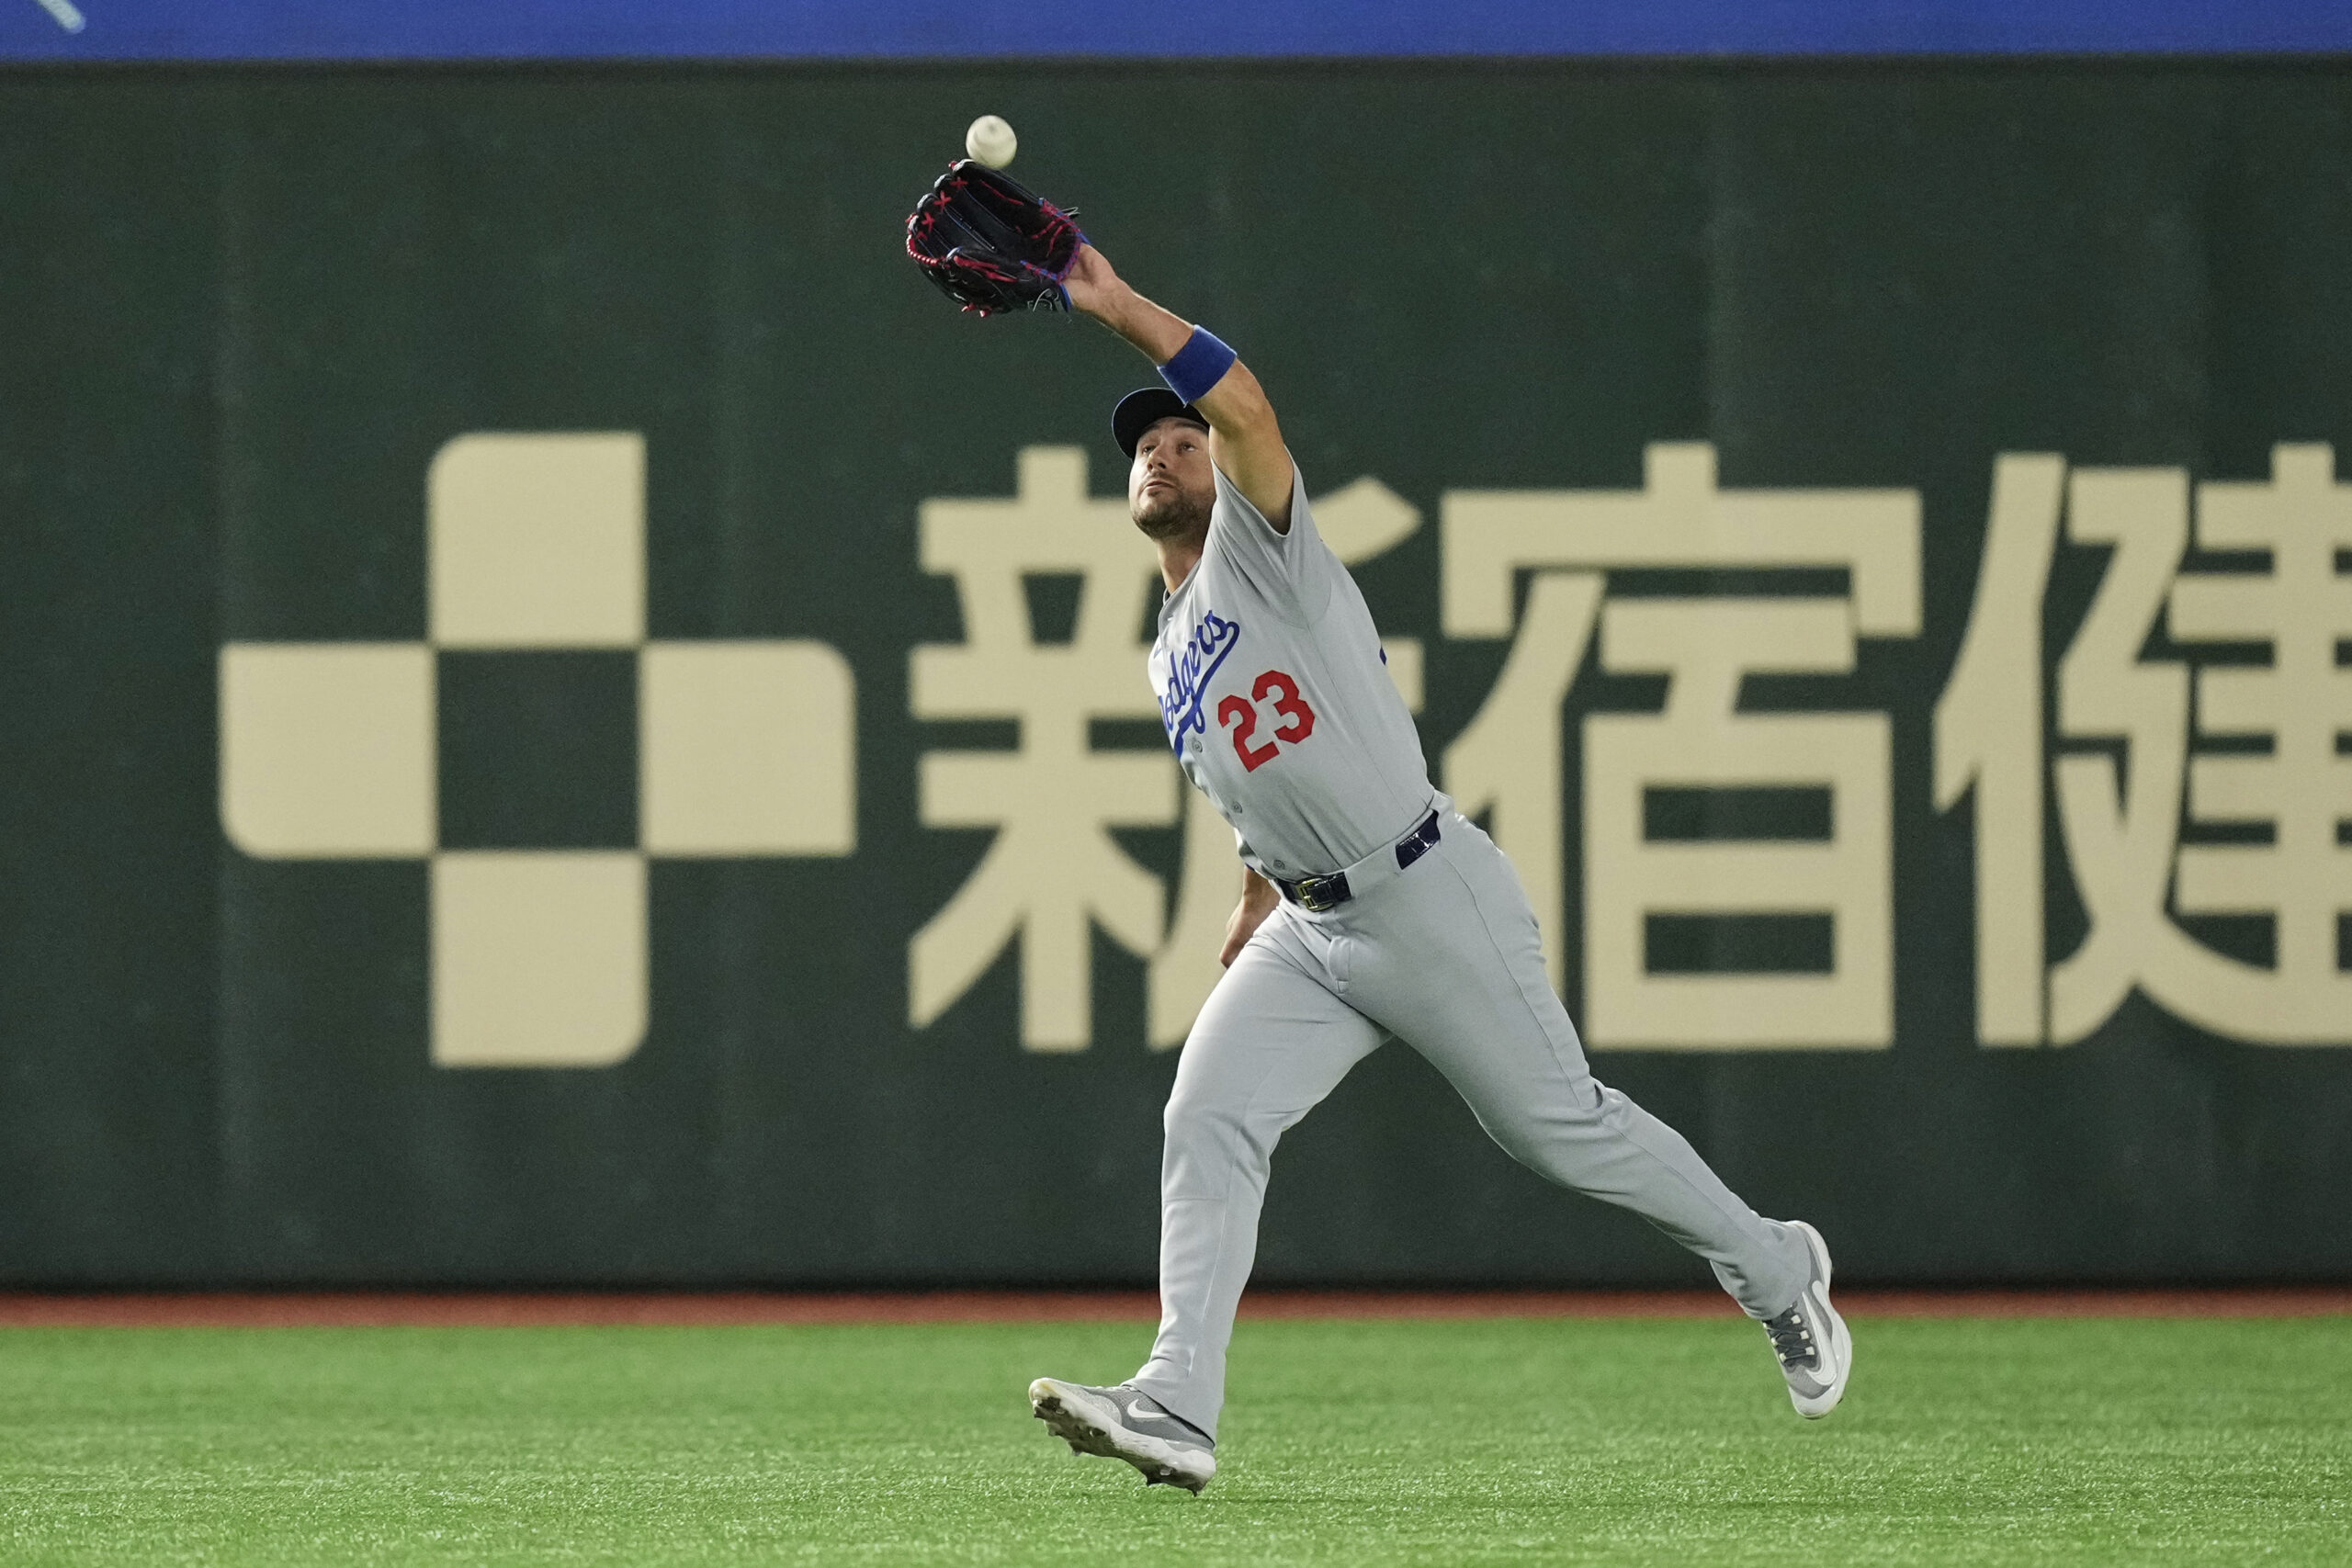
(1172, 514)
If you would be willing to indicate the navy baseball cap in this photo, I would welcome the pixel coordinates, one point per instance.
(1139, 410)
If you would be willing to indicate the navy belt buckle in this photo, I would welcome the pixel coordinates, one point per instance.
(1318, 894)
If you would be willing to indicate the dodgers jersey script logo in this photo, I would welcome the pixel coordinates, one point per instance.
(1272, 691)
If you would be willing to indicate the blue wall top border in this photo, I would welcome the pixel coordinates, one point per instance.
(589, 29)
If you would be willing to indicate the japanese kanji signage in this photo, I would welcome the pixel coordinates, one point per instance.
(2194, 764)
(2200, 768)
(1751, 830)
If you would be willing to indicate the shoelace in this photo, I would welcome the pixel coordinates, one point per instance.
(1793, 1339)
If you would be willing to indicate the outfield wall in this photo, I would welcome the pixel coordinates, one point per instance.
(569, 721)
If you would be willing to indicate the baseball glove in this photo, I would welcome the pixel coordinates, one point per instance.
(991, 244)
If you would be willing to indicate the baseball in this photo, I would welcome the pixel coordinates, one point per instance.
(991, 141)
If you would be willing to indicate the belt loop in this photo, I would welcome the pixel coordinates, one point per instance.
(1416, 843)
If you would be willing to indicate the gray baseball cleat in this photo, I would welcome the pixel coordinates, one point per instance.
(1817, 1352)
(1125, 1423)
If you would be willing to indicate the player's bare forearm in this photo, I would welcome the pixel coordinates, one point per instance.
(1245, 439)
(1098, 291)
(1257, 901)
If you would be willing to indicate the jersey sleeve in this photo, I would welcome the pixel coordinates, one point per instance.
(1295, 571)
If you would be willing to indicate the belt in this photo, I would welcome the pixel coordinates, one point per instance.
(1316, 894)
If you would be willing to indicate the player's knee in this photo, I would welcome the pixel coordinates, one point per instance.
(1549, 1141)
(1207, 1121)
(1518, 1138)
(1192, 1117)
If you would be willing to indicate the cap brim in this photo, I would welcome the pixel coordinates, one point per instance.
(1139, 410)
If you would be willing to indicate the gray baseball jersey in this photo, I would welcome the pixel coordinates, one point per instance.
(1273, 694)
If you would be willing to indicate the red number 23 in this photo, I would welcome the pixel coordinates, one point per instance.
(1242, 719)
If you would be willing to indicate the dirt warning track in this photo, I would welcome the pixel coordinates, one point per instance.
(325, 1309)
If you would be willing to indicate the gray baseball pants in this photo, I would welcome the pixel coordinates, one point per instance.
(1444, 957)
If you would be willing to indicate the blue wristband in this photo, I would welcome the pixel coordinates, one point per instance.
(1198, 366)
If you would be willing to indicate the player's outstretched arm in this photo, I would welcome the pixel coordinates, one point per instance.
(1244, 438)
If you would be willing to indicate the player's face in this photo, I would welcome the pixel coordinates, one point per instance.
(1172, 486)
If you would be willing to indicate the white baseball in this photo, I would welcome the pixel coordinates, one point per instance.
(991, 141)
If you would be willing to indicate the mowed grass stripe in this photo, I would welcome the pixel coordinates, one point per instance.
(1484, 1441)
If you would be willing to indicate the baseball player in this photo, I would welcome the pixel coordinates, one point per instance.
(1371, 910)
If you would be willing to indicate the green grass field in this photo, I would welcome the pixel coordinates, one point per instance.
(1492, 1441)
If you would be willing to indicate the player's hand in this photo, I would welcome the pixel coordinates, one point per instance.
(1257, 901)
(1094, 288)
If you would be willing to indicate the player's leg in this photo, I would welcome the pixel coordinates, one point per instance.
(1457, 969)
(1270, 1043)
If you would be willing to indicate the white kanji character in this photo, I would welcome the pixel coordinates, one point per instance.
(2302, 788)
(2121, 806)
(1508, 761)
(1053, 869)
